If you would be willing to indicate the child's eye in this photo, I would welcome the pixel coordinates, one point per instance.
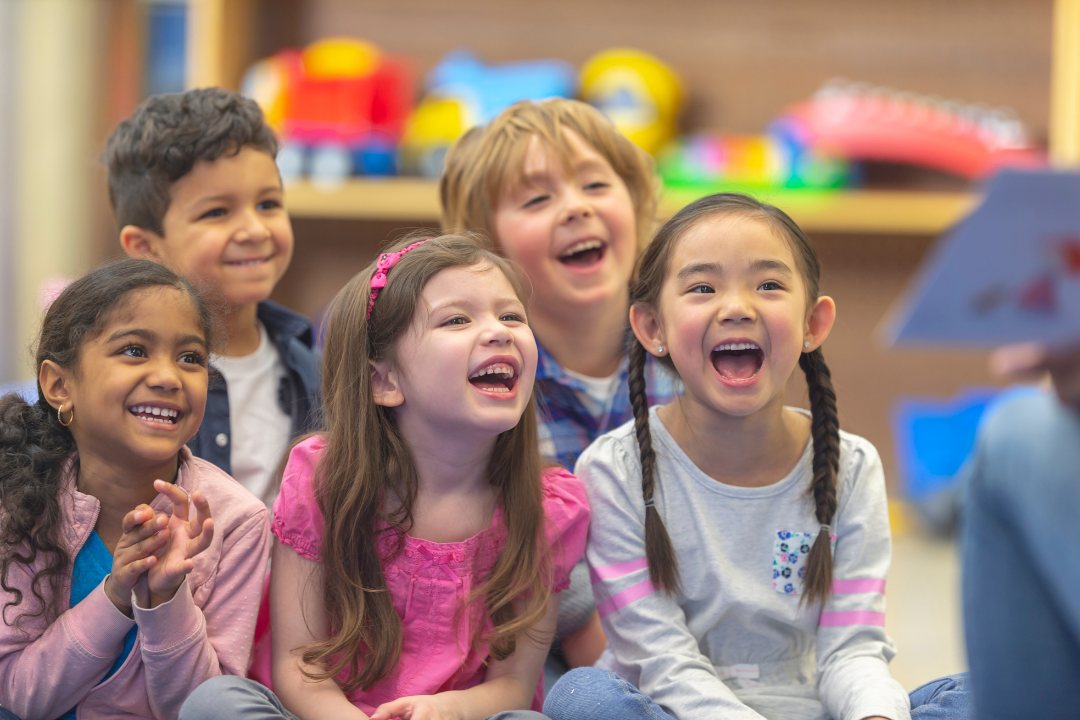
(194, 358)
(596, 186)
(701, 289)
(215, 213)
(512, 317)
(535, 200)
(770, 285)
(269, 205)
(457, 320)
(133, 351)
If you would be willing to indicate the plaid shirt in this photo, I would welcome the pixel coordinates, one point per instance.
(567, 427)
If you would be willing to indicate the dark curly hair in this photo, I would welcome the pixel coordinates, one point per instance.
(165, 137)
(34, 446)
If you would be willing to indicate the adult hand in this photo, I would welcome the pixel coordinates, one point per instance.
(144, 534)
(417, 707)
(187, 538)
(1016, 362)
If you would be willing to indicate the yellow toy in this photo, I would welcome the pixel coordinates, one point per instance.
(640, 93)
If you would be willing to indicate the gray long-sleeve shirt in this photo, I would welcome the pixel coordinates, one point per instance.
(733, 643)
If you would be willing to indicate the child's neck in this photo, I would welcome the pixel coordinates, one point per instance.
(242, 326)
(455, 500)
(590, 340)
(119, 489)
(751, 451)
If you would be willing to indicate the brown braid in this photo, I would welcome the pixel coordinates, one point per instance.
(826, 433)
(663, 565)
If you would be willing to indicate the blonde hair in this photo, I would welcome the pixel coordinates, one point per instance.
(487, 161)
(367, 460)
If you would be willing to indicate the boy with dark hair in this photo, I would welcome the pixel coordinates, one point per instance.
(194, 186)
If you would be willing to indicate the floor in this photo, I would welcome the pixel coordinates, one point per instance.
(923, 615)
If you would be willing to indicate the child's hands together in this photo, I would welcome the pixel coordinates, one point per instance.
(418, 707)
(144, 534)
(186, 539)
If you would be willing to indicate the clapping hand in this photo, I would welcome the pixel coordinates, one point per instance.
(186, 539)
(144, 534)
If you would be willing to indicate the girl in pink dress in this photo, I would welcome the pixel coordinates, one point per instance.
(420, 543)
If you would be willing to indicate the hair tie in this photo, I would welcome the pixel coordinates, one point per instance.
(826, 528)
(649, 503)
(386, 261)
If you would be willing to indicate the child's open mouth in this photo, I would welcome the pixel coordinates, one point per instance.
(156, 414)
(498, 378)
(584, 254)
(737, 361)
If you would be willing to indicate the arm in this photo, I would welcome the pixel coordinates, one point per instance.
(183, 645)
(48, 676)
(646, 628)
(297, 617)
(510, 683)
(853, 651)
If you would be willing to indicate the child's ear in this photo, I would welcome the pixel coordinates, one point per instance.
(646, 326)
(140, 243)
(55, 384)
(820, 322)
(385, 389)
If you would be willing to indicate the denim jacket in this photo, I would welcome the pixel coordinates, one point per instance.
(299, 395)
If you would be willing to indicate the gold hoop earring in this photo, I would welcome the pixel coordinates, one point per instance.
(60, 416)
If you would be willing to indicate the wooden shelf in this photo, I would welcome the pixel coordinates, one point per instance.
(853, 211)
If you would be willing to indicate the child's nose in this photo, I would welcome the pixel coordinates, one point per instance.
(736, 308)
(577, 205)
(163, 376)
(252, 228)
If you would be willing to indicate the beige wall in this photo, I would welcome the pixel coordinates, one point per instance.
(54, 152)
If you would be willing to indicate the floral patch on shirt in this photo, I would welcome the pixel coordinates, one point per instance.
(790, 551)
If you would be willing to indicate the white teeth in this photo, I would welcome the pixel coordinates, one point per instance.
(156, 411)
(736, 346)
(157, 414)
(504, 369)
(582, 247)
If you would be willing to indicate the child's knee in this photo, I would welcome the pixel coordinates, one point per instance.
(219, 697)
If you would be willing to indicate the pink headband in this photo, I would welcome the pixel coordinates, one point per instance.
(386, 261)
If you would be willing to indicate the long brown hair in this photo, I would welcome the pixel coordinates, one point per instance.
(488, 160)
(645, 291)
(367, 461)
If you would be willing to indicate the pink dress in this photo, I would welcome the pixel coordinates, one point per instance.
(429, 581)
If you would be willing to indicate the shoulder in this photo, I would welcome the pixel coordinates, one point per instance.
(564, 497)
(282, 323)
(860, 463)
(613, 455)
(298, 521)
(231, 503)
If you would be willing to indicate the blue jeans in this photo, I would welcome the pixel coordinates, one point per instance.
(594, 694)
(228, 697)
(1021, 576)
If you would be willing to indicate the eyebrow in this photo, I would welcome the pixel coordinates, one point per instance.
(715, 268)
(151, 336)
(700, 268)
(223, 197)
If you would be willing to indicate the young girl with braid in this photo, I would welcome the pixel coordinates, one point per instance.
(738, 548)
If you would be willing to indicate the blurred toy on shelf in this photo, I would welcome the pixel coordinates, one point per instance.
(861, 122)
(462, 92)
(339, 107)
(640, 93)
(715, 160)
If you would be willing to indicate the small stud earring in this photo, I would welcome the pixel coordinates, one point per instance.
(806, 343)
(659, 348)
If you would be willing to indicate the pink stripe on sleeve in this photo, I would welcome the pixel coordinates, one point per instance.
(610, 572)
(852, 617)
(860, 585)
(624, 598)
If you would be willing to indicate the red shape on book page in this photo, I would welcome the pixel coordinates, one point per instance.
(1039, 295)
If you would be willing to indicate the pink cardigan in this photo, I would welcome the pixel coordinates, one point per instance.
(204, 631)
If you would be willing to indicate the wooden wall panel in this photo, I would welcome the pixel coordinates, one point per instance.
(742, 61)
